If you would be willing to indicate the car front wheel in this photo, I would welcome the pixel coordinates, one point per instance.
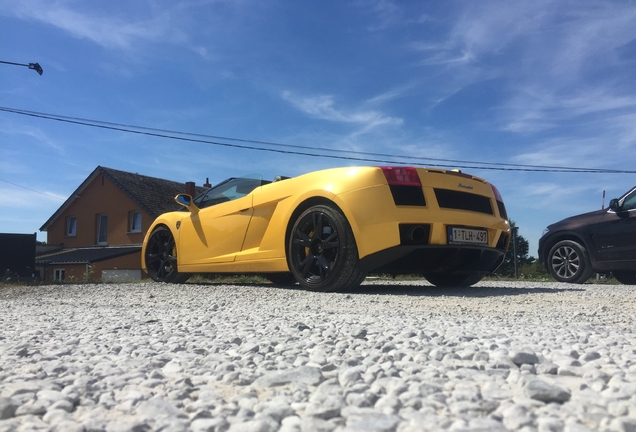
(625, 277)
(322, 251)
(568, 262)
(161, 257)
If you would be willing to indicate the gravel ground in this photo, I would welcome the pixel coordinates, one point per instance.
(392, 356)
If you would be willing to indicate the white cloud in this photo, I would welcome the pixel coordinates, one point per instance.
(113, 32)
(322, 107)
(21, 130)
(556, 50)
(26, 198)
(386, 13)
(390, 95)
(569, 152)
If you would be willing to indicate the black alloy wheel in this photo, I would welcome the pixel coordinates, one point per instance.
(161, 257)
(322, 252)
(453, 280)
(568, 262)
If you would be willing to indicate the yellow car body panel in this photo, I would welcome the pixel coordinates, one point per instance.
(250, 234)
(214, 234)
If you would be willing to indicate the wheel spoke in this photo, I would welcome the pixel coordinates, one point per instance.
(305, 265)
(317, 221)
(331, 242)
(302, 239)
(566, 262)
(153, 258)
(161, 271)
(323, 265)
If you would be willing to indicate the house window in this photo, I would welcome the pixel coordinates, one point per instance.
(58, 274)
(135, 222)
(71, 226)
(102, 229)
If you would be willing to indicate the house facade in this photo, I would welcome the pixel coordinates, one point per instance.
(99, 229)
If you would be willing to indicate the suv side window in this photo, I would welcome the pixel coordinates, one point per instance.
(629, 202)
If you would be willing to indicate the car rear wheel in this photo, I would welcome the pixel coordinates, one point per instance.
(453, 280)
(625, 277)
(161, 257)
(322, 251)
(568, 262)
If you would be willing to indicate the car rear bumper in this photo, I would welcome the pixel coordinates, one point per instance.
(434, 258)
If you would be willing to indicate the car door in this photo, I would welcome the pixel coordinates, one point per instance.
(616, 231)
(215, 233)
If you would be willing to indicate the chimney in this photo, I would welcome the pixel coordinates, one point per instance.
(190, 189)
(207, 183)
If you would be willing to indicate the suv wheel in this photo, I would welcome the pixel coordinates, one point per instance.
(568, 262)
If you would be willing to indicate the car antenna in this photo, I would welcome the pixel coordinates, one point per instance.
(603, 205)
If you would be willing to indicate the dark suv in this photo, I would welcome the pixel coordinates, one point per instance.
(602, 241)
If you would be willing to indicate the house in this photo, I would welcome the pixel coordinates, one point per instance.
(97, 233)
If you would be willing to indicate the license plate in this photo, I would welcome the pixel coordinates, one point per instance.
(467, 236)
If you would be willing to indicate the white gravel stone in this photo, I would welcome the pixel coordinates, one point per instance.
(391, 356)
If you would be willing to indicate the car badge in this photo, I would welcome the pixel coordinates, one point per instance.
(464, 186)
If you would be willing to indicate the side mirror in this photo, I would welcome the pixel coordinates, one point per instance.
(613, 205)
(186, 201)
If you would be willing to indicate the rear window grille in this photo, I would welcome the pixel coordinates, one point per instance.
(463, 201)
(408, 195)
(502, 210)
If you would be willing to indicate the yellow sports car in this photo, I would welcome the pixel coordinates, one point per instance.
(328, 229)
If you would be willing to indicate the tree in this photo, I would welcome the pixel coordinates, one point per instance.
(519, 245)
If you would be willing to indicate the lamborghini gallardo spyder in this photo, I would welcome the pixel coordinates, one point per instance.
(328, 229)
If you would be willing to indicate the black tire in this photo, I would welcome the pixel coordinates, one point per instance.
(161, 257)
(322, 253)
(626, 277)
(282, 279)
(453, 280)
(568, 262)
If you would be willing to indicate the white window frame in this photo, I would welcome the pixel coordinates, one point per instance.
(102, 228)
(134, 222)
(71, 226)
(59, 274)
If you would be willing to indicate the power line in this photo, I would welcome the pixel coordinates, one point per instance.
(296, 149)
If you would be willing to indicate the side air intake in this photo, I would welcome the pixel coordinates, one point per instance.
(463, 201)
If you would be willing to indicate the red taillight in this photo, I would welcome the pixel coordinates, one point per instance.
(496, 192)
(403, 176)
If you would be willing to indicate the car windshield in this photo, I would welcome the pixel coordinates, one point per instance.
(229, 190)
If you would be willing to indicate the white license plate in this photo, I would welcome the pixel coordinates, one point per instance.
(467, 236)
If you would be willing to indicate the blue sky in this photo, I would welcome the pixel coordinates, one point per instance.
(526, 82)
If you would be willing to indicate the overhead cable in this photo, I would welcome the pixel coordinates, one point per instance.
(300, 150)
